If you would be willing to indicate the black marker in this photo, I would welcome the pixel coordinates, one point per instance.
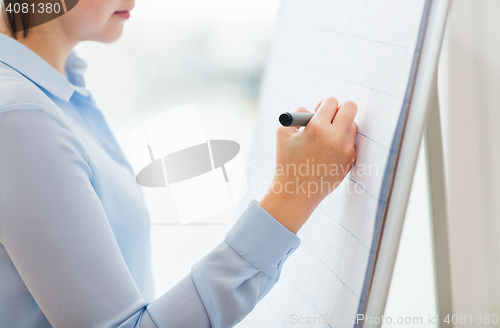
(295, 119)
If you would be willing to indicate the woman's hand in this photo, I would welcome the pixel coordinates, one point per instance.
(311, 163)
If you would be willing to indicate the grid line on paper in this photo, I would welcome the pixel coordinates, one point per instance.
(347, 230)
(329, 269)
(322, 29)
(312, 68)
(367, 137)
(369, 194)
(304, 297)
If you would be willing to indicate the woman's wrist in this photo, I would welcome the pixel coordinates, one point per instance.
(291, 209)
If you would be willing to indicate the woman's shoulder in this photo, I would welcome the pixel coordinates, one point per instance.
(21, 98)
(17, 90)
(28, 116)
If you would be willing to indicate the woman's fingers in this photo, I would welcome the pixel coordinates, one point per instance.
(345, 116)
(325, 111)
(298, 110)
(287, 130)
(351, 133)
(301, 110)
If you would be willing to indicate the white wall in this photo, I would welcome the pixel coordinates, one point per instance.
(469, 97)
(470, 79)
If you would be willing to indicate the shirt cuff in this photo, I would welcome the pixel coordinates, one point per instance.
(261, 240)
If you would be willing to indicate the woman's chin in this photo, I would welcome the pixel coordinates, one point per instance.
(110, 35)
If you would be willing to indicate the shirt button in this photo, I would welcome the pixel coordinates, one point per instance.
(290, 251)
(279, 265)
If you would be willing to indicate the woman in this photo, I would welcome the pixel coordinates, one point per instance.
(74, 231)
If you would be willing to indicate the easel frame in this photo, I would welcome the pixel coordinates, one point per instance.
(439, 209)
(424, 107)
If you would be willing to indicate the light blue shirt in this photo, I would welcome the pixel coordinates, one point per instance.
(74, 230)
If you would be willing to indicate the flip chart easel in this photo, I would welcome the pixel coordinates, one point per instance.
(424, 111)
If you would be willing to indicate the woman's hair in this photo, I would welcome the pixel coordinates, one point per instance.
(16, 21)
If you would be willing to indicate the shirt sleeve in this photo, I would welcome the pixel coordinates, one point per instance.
(56, 233)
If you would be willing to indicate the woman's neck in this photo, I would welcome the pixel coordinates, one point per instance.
(52, 46)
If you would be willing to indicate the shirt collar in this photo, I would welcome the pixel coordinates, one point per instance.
(36, 69)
